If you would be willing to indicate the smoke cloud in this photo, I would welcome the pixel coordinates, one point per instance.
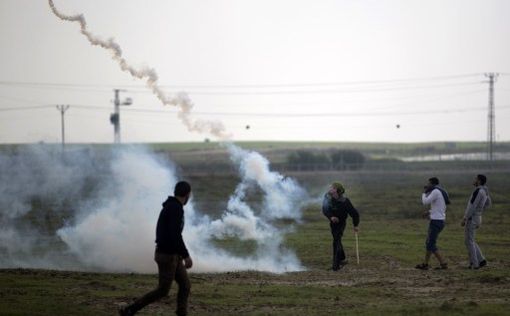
(149, 75)
(93, 209)
(115, 233)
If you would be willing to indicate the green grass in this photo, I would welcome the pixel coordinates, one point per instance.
(378, 149)
(391, 242)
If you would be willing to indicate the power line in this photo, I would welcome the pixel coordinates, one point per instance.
(325, 91)
(296, 85)
(268, 114)
(25, 108)
(235, 86)
(275, 114)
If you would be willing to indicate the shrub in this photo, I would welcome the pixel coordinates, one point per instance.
(307, 157)
(342, 156)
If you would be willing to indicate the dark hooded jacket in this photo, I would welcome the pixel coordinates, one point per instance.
(340, 208)
(169, 229)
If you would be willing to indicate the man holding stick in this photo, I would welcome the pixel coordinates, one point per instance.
(336, 207)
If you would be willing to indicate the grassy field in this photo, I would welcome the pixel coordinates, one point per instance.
(277, 152)
(391, 241)
(381, 150)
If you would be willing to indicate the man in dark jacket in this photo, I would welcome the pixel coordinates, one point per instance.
(171, 254)
(336, 207)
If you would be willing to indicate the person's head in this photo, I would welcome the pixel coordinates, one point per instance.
(432, 182)
(336, 189)
(182, 191)
(480, 179)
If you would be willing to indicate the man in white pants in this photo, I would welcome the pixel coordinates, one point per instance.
(478, 202)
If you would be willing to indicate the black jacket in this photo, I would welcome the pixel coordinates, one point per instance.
(169, 229)
(339, 208)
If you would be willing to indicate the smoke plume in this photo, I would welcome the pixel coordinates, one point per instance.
(104, 238)
(149, 75)
(93, 209)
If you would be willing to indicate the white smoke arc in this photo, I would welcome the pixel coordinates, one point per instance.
(281, 199)
(181, 100)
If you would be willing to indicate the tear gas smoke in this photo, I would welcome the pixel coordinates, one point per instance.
(149, 75)
(281, 198)
(111, 201)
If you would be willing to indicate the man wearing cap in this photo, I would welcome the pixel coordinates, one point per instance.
(336, 207)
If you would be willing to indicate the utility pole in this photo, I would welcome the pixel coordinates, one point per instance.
(63, 109)
(491, 124)
(115, 116)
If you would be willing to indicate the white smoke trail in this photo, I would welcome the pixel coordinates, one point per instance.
(281, 199)
(181, 100)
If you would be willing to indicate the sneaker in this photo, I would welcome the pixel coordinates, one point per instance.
(422, 266)
(482, 263)
(337, 268)
(125, 311)
(442, 266)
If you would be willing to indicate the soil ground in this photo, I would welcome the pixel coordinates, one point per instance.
(384, 283)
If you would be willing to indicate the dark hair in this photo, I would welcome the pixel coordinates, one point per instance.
(434, 180)
(482, 179)
(182, 188)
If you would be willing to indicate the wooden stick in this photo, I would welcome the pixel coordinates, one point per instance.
(357, 247)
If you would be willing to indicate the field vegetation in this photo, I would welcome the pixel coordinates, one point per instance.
(384, 283)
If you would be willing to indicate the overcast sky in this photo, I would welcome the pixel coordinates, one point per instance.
(289, 70)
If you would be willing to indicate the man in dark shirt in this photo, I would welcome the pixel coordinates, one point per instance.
(171, 254)
(336, 207)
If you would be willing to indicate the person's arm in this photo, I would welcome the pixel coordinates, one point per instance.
(427, 199)
(326, 207)
(480, 200)
(470, 209)
(353, 213)
(488, 202)
(176, 225)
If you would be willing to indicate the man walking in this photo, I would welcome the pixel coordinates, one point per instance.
(336, 207)
(437, 198)
(171, 254)
(478, 202)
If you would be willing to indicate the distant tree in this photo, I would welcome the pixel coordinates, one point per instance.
(343, 156)
(307, 157)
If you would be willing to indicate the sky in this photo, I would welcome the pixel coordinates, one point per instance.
(371, 71)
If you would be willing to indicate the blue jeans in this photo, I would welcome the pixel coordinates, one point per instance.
(435, 227)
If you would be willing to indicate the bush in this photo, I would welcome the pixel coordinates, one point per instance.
(307, 157)
(341, 156)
